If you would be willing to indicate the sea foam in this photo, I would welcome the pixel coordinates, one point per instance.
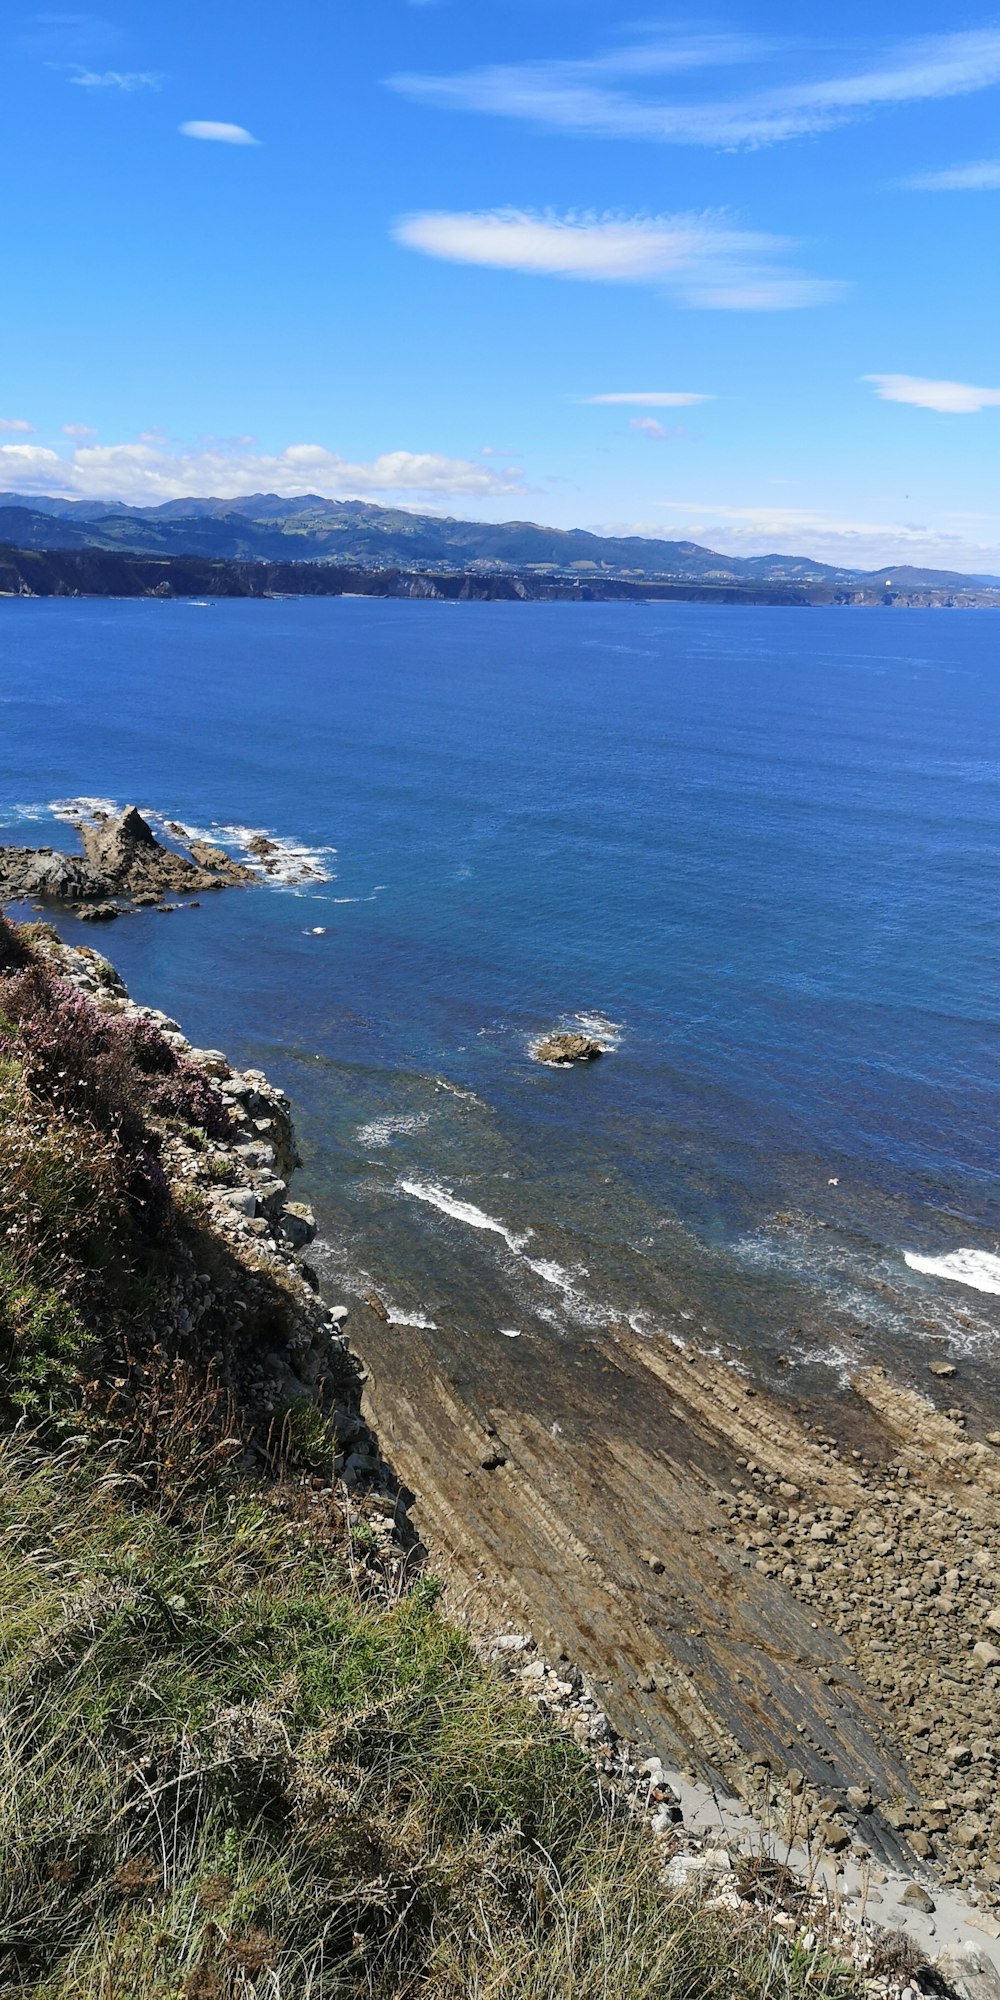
(379, 1131)
(462, 1211)
(978, 1268)
(74, 810)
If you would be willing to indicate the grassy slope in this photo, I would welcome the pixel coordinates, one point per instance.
(236, 1761)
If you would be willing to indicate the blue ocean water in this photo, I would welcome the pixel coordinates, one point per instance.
(759, 849)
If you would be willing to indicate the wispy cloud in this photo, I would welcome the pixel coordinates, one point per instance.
(652, 399)
(977, 175)
(700, 259)
(598, 95)
(146, 473)
(78, 431)
(215, 129)
(16, 424)
(953, 399)
(118, 79)
(862, 541)
(649, 427)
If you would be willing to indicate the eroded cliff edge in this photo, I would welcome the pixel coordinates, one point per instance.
(800, 1617)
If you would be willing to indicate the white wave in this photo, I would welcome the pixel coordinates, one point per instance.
(75, 810)
(554, 1274)
(418, 1320)
(25, 813)
(466, 1096)
(978, 1268)
(603, 1030)
(586, 1311)
(291, 862)
(379, 1131)
(462, 1211)
(12, 815)
(511, 1332)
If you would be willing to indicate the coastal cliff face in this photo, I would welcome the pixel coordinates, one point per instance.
(218, 1393)
(811, 1623)
(244, 1753)
(253, 1314)
(94, 572)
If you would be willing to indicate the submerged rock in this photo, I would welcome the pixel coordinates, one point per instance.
(567, 1048)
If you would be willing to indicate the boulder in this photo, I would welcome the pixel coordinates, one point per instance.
(969, 1974)
(567, 1048)
(915, 1897)
(985, 1654)
(298, 1224)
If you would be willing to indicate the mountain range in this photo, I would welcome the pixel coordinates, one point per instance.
(263, 527)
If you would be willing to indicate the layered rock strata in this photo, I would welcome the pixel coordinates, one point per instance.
(802, 1627)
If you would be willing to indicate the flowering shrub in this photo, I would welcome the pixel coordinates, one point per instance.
(188, 1094)
(72, 1056)
(111, 1072)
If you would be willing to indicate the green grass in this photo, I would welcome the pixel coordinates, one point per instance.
(225, 1774)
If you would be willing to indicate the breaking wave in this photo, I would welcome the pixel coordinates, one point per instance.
(978, 1268)
(462, 1211)
(379, 1131)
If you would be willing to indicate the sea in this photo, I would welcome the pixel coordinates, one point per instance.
(754, 852)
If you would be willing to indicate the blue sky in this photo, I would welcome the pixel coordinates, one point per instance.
(731, 277)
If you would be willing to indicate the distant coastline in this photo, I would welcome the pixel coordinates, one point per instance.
(96, 572)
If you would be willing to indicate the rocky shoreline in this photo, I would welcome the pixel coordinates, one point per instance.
(803, 1619)
(232, 1192)
(124, 866)
(99, 572)
(832, 1707)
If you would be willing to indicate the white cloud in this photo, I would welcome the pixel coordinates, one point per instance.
(10, 424)
(648, 426)
(586, 96)
(968, 542)
(146, 474)
(225, 135)
(118, 79)
(652, 399)
(700, 259)
(979, 174)
(78, 431)
(953, 399)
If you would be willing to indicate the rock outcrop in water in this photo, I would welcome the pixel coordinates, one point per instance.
(567, 1048)
(122, 860)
